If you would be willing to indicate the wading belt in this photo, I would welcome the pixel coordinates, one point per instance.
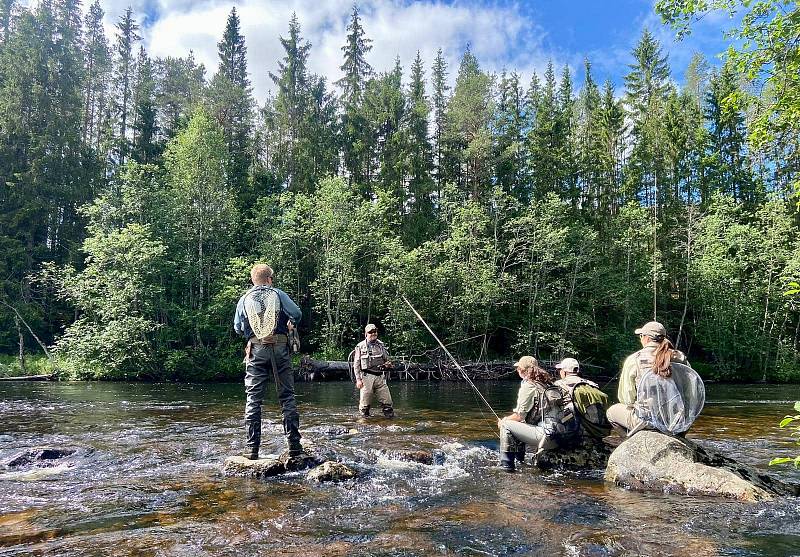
(371, 372)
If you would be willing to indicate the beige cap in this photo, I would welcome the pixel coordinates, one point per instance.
(570, 366)
(652, 329)
(370, 327)
(527, 362)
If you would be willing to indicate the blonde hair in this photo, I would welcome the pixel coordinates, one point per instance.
(260, 274)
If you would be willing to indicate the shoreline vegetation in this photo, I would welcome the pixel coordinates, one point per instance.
(545, 217)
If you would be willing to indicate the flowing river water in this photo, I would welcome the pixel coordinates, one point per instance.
(146, 479)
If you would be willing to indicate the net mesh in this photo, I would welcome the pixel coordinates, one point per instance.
(262, 306)
(670, 404)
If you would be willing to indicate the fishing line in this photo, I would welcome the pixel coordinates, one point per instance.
(446, 351)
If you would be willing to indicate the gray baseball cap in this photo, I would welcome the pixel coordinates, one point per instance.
(652, 329)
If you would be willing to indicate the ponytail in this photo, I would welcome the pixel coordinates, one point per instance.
(663, 357)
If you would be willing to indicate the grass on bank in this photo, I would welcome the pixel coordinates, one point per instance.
(34, 365)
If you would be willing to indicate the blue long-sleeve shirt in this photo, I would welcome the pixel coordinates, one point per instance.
(289, 310)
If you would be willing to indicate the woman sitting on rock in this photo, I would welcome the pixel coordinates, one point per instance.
(657, 388)
(542, 418)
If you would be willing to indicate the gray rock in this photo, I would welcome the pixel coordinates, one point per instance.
(331, 471)
(302, 462)
(652, 461)
(261, 468)
(42, 456)
(590, 455)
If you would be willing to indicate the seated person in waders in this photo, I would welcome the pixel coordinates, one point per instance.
(264, 316)
(541, 419)
(589, 401)
(657, 387)
(370, 364)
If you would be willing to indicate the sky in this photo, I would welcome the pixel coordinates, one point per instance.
(519, 36)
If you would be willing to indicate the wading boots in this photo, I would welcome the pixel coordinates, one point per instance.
(253, 428)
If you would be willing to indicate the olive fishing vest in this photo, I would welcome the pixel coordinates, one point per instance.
(372, 355)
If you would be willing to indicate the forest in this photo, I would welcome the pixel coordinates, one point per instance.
(536, 217)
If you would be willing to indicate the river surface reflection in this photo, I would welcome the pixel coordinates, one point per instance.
(146, 479)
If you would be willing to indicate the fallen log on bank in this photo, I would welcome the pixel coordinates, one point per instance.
(44, 377)
(441, 370)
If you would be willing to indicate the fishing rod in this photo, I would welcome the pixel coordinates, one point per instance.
(446, 351)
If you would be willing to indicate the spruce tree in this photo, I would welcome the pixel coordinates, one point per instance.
(144, 148)
(97, 82)
(439, 101)
(232, 102)
(124, 77)
(420, 159)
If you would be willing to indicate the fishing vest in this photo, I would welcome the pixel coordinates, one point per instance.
(262, 305)
(558, 417)
(372, 356)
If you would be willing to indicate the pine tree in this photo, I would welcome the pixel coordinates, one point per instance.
(124, 77)
(543, 139)
(564, 143)
(509, 130)
(726, 157)
(469, 114)
(180, 88)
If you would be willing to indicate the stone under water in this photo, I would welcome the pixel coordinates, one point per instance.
(652, 461)
(42, 456)
(331, 471)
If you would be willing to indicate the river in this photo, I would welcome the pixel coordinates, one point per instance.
(146, 479)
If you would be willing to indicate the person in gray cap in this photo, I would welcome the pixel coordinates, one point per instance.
(370, 363)
(656, 354)
(590, 402)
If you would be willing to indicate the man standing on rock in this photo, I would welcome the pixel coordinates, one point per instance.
(370, 363)
(264, 316)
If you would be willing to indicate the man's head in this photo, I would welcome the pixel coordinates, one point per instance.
(261, 274)
(371, 332)
(568, 366)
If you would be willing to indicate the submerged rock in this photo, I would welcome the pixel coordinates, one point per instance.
(43, 456)
(331, 471)
(587, 456)
(412, 455)
(652, 461)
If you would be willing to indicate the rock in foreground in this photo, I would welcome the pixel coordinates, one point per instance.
(331, 471)
(268, 467)
(587, 456)
(42, 456)
(652, 461)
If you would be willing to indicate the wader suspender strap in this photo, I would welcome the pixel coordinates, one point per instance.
(540, 448)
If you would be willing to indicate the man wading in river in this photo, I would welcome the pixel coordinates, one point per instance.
(370, 362)
(264, 316)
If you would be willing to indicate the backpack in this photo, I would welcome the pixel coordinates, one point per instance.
(670, 404)
(559, 418)
(591, 404)
(262, 306)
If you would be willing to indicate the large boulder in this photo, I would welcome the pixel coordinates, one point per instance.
(652, 461)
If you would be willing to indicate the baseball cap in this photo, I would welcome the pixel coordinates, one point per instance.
(653, 329)
(569, 365)
(370, 327)
(527, 362)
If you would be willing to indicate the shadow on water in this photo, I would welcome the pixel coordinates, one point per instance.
(146, 479)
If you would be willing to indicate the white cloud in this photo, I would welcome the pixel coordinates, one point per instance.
(500, 36)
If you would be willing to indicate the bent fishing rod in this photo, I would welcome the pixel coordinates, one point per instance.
(446, 351)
